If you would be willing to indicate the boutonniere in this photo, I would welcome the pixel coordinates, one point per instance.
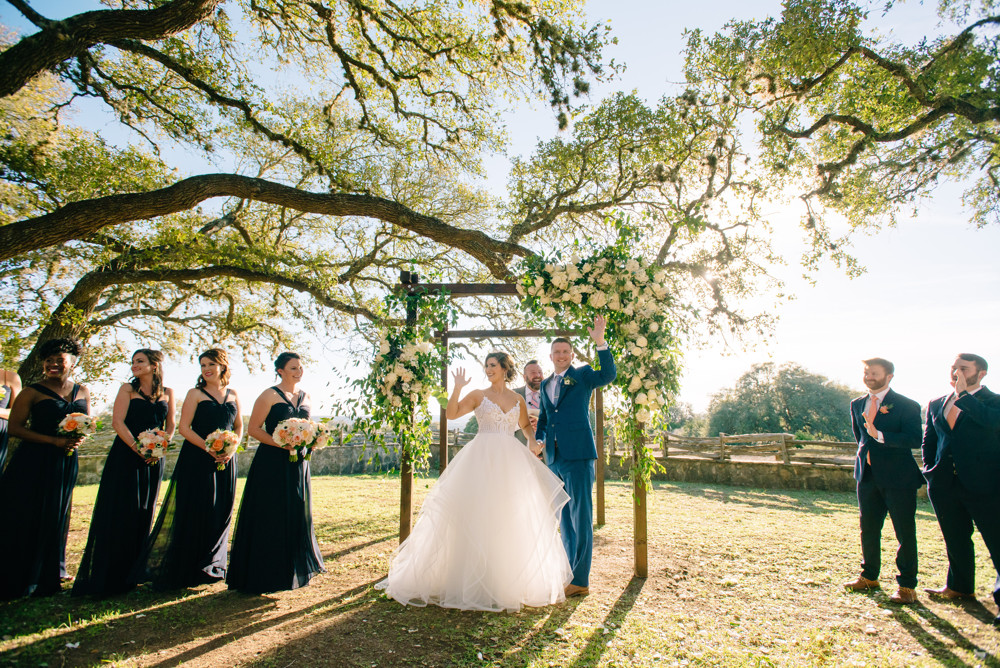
(885, 409)
(568, 381)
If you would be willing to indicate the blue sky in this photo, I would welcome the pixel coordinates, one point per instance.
(931, 287)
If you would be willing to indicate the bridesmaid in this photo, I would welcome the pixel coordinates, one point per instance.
(189, 541)
(130, 484)
(10, 385)
(36, 490)
(274, 547)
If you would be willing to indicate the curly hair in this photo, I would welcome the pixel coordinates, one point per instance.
(155, 358)
(220, 357)
(505, 362)
(56, 346)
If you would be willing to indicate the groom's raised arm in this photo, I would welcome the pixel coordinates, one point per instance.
(607, 372)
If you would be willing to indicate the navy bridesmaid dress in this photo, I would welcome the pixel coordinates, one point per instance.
(123, 512)
(274, 547)
(4, 403)
(36, 494)
(189, 542)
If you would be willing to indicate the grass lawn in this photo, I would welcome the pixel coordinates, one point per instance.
(737, 577)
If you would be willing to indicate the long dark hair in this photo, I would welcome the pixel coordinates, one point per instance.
(155, 358)
(219, 356)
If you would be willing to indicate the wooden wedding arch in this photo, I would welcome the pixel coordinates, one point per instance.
(409, 284)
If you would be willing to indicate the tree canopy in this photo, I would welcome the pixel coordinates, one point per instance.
(361, 158)
(855, 122)
(771, 399)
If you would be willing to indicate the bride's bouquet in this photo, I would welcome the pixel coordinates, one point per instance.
(153, 444)
(222, 442)
(79, 425)
(296, 434)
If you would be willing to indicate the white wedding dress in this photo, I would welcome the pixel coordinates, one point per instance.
(486, 538)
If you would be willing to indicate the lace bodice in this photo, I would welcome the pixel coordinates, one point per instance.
(492, 420)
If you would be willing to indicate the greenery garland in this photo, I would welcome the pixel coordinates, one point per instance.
(633, 296)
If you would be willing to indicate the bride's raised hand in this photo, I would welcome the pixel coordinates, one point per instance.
(461, 380)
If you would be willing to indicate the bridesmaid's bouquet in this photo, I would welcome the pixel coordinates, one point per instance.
(79, 425)
(153, 444)
(222, 442)
(296, 434)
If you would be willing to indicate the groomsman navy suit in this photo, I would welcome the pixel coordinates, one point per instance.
(531, 391)
(886, 427)
(961, 451)
(570, 449)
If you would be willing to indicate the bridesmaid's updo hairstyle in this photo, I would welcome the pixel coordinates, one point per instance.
(505, 362)
(57, 346)
(283, 359)
(220, 357)
(155, 358)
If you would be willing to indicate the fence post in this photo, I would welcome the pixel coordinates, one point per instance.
(723, 448)
(784, 450)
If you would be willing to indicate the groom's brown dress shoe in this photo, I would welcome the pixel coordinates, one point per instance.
(950, 594)
(574, 590)
(904, 595)
(862, 584)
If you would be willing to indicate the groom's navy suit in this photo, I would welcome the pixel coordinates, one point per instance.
(962, 467)
(570, 451)
(889, 483)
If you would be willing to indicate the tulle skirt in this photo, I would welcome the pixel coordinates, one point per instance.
(486, 538)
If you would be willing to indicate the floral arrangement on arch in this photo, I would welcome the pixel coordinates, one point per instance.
(634, 297)
(405, 374)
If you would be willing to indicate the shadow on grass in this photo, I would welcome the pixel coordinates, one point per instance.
(145, 622)
(907, 616)
(237, 629)
(360, 546)
(598, 641)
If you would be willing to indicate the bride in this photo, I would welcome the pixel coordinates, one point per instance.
(486, 537)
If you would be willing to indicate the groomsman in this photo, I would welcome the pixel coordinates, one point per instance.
(531, 391)
(887, 428)
(961, 452)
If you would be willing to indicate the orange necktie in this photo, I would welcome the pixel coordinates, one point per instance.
(952, 416)
(872, 411)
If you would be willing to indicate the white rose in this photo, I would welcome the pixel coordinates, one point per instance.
(521, 290)
(649, 383)
(654, 327)
(632, 327)
(539, 282)
(641, 342)
(414, 398)
(587, 268)
(598, 300)
(405, 386)
(641, 399)
(549, 268)
(614, 303)
(396, 402)
(390, 379)
(636, 350)
(407, 375)
(384, 347)
(653, 395)
(576, 297)
(642, 415)
(628, 310)
(550, 312)
(426, 347)
(635, 385)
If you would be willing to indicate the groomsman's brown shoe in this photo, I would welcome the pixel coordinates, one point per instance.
(574, 590)
(904, 596)
(862, 584)
(950, 594)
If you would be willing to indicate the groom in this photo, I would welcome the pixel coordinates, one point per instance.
(570, 450)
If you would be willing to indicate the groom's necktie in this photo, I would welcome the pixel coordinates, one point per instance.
(556, 382)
